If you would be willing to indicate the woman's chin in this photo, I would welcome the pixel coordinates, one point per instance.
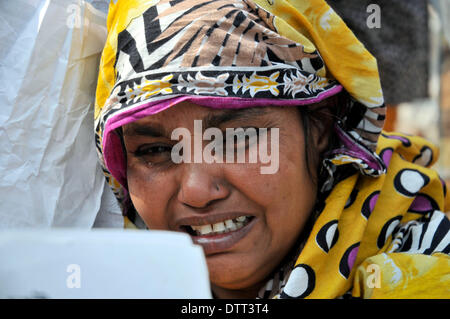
(230, 270)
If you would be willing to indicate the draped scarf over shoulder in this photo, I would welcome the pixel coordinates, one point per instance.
(253, 53)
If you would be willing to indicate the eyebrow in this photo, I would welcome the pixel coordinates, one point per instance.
(215, 120)
(151, 130)
(211, 120)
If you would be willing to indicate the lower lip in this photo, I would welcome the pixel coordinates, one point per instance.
(214, 244)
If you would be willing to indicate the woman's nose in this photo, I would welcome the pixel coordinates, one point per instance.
(201, 184)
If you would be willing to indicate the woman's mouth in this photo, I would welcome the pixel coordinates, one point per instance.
(220, 236)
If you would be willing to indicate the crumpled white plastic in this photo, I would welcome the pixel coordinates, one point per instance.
(49, 172)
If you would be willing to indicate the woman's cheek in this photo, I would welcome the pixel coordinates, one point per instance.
(145, 197)
(273, 189)
(248, 180)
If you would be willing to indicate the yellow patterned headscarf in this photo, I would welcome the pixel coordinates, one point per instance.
(233, 54)
(376, 233)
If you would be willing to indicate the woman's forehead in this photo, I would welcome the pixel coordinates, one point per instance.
(184, 114)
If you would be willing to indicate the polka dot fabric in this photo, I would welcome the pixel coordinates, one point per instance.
(393, 222)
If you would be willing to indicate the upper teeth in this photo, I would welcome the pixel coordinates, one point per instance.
(222, 227)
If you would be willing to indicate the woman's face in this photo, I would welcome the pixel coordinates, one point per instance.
(174, 197)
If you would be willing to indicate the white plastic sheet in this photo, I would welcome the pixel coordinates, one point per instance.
(49, 57)
(101, 264)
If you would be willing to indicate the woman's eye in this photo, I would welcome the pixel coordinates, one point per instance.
(154, 154)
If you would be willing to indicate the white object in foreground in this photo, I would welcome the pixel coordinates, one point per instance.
(66, 263)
